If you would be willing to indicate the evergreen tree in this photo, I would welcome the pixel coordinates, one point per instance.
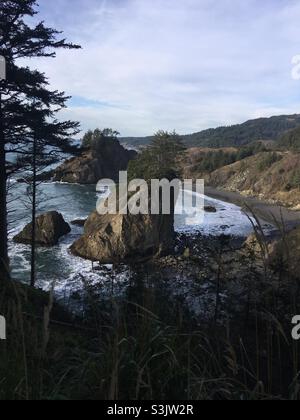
(92, 139)
(159, 160)
(22, 88)
(41, 133)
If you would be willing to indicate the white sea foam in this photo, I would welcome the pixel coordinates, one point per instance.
(58, 265)
(229, 219)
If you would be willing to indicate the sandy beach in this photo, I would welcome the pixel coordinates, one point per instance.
(270, 213)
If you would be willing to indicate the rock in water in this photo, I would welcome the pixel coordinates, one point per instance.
(104, 161)
(119, 238)
(50, 227)
(79, 222)
(210, 209)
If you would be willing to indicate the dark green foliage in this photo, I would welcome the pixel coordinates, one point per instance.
(92, 138)
(268, 160)
(294, 181)
(214, 160)
(250, 150)
(28, 107)
(291, 140)
(236, 135)
(159, 160)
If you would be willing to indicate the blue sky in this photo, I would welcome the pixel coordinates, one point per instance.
(173, 64)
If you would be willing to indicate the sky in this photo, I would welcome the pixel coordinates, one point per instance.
(183, 65)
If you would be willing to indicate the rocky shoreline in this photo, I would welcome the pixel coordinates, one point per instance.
(268, 212)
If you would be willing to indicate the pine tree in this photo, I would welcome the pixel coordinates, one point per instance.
(22, 88)
(165, 148)
(159, 159)
(91, 139)
(42, 133)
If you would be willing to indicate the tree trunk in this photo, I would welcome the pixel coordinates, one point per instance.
(33, 217)
(4, 261)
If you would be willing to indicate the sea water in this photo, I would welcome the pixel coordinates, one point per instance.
(57, 265)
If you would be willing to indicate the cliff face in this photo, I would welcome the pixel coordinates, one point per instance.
(273, 176)
(104, 161)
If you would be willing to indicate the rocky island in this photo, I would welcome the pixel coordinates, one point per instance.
(101, 158)
(110, 239)
(50, 227)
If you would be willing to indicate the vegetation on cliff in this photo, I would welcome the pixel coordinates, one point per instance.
(102, 157)
(92, 139)
(271, 176)
(291, 140)
(207, 160)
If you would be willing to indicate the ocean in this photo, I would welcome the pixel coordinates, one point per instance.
(77, 202)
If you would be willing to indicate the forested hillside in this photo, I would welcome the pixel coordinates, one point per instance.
(236, 135)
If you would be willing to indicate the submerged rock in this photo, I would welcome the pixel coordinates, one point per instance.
(124, 238)
(104, 161)
(79, 222)
(210, 209)
(50, 227)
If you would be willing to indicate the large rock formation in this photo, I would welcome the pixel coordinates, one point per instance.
(105, 160)
(124, 238)
(50, 227)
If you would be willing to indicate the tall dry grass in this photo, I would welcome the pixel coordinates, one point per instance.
(147, 345)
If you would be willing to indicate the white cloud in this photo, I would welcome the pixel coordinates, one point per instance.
(177, 65)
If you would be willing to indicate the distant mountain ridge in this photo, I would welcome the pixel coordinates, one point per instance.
(232, 136)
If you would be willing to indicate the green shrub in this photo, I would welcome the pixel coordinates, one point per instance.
(268, 160)
(291, 140)
(295, 180)
(216, 159)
